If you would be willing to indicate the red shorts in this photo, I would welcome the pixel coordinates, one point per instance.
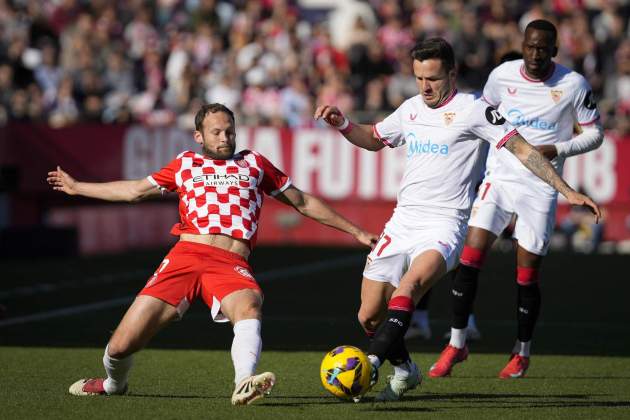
(191, 270)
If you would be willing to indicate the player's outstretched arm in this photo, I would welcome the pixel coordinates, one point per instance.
(360, 135)
(541, 167)
(589, 138)
(316, 209)
(130, 191)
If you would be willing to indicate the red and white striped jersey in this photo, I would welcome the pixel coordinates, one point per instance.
(220, 196)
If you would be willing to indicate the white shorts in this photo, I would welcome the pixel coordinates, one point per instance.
(498, 201)
(401, 242)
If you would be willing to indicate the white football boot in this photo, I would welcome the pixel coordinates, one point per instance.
(398, 385)
(252, 388)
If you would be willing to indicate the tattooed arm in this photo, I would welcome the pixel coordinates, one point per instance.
(542, 168)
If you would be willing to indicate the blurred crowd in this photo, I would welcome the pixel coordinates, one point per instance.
(156, 61)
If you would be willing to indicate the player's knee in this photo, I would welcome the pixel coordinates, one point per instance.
(249, 309)
(369, 321)
(526, 276)
(119, 348)
(472, 257)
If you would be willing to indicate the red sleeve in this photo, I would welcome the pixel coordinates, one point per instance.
(274, 181)
(164, 179)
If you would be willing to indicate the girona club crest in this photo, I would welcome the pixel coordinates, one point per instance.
(243, 272)
(242, 163)
(449, 117)
(556, 94)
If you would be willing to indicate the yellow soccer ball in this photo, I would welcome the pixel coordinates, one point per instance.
(345, 372)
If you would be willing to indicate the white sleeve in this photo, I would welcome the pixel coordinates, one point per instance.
(586, 112)
(491, 92)
(488, 124)
(591, 137)
(390, 131)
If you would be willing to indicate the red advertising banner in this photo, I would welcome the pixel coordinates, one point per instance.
(360, 184)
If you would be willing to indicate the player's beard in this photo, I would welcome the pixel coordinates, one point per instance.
(226, 151)
(222, 153)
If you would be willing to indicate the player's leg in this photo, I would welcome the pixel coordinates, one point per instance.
(420, 319)
(488, 219)
(144, 318)
(533, 229)
(388, 342)
(472, 331)
(528, 309)
(230, 290)
(463, 293)
(465, 281)
(244, 309)
(374, 297)
(385, 266)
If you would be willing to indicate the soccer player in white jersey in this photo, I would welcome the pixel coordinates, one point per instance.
(220, 197)
(441, 130)
(543, 100)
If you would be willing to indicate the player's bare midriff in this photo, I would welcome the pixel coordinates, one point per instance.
(238, 246)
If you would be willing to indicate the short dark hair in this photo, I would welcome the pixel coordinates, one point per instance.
(211, 108)
(435, 48)
(543, 25)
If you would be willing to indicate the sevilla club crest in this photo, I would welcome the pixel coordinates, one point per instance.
(556, 94)
(449, 117)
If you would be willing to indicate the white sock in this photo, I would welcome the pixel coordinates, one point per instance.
(403, 370)
(522, 348)
(246, 348)
(374, 361)
(420, 318)
(458, 338)
(117, 372)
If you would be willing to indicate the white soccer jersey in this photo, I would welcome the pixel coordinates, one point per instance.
(543, 110)
(442, 150)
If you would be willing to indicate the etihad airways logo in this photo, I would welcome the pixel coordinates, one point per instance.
(417, 147)
(517, 118)
(221, 180)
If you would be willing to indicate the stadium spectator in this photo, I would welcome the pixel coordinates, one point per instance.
(65, 110)
(474, 53)
(290, 40)
(544, 100)
(210, 259)
(423, 238)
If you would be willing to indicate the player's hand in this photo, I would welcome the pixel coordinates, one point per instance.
(548, 150)
(331, 114)
(577, 199)
(61, 181)
(367, 238)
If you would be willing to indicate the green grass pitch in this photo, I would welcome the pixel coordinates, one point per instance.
(60, 312)
(181, 384)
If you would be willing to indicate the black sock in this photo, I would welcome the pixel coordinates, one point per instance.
(398, 352)
(528, 309)
(463, 294)
(423, 304)
(388, 333)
